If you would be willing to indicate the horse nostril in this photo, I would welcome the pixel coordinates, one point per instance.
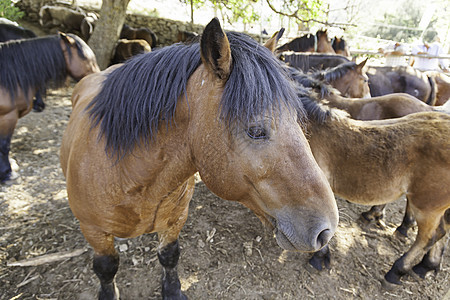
(324, 237)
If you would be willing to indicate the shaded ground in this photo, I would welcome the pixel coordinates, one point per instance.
(226, 252)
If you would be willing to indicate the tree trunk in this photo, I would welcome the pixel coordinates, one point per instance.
(192, 12)
(107, 30)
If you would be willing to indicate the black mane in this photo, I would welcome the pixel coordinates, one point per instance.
(313, 61)
(335, 73)
(135, 97)
(341, 45)
(300, 44)
(310, 96)
(32, 63)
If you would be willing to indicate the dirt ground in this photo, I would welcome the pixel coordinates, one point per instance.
(226, 252)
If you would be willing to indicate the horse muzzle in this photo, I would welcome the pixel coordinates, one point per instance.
(303, 231)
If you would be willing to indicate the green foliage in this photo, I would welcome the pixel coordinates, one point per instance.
(9, 11)
(303, 11)
(238, 10)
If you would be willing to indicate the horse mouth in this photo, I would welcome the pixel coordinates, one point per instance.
(282, 239)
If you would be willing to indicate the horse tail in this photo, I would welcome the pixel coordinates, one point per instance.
(432, 98)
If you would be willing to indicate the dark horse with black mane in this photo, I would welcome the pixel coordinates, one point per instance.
(318, 42)
(224, 107)
(10, 32)
(340, 46)
(402, 79)
(313, 61)
(31, 65)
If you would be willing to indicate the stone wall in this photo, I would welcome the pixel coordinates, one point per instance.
(166, 30)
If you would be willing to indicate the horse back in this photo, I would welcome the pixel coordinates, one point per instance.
(11, 32)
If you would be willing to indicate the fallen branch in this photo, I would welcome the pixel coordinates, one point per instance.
(47, 258)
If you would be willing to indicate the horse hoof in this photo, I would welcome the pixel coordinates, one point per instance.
(389, 285)
(364, 220)
(314, 267)
(12, 179)
(400, 236)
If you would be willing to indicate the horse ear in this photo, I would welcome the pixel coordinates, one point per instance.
(66, 38)
(215, 50)
(271, 43)
(361, 64)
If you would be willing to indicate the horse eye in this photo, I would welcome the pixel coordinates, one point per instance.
(256, 132)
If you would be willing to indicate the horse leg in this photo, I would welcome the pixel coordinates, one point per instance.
(408, 222)
(106, 261)
(432, 260)
(169, 249)
(5, 166)
(168, 256)
(428, 234)
(376, 213)
(38, 102)
(8, 123)
(321, 258)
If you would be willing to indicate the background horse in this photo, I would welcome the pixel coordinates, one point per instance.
(376, 108)
(10, 32)
(131, 33)
(187, 36)
(401, 79)
(340, 46)
(349, 79)
(375, 162)
(318, 42)
(323, 42)
(126, 49)
(28, 66)
(156, 120)
(313, 61)
(442, 86)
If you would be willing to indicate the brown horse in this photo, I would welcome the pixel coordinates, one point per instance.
(131, 33)
(375, 162)
(187, 36)
(224, 107)
(376, 108)
(318, 42)
(442, 86)
(340, 46)
(323, 42)
(348, 78)
(28, 66)
(126, 49)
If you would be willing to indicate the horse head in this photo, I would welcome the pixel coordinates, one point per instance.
(79, 57)
(261, 160)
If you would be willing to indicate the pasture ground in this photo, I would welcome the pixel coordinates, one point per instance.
(226, 252)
